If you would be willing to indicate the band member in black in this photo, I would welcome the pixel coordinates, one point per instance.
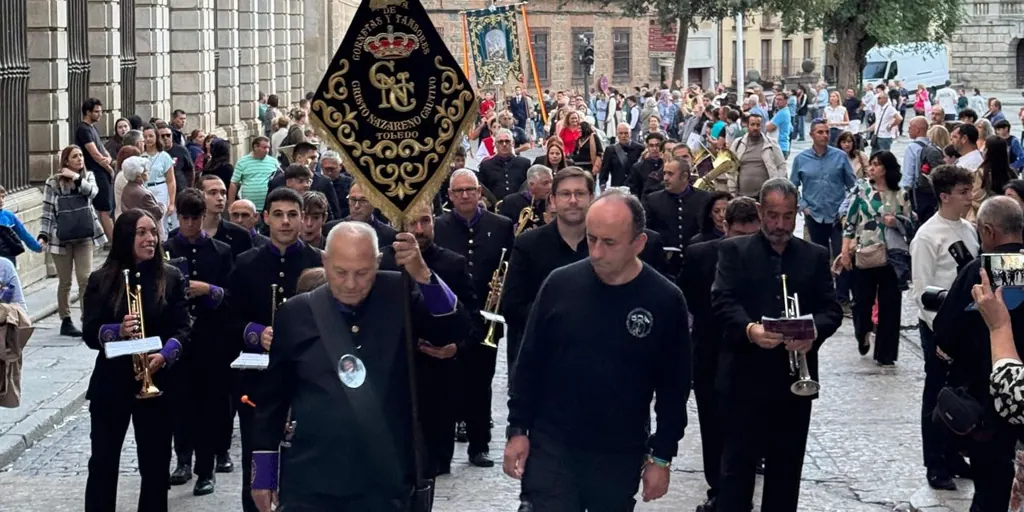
(540, 251)
(437, 373)
(314, 214)
(645, 175)
(695, 280)
(338, 364)
(360, 209)
(675, 212)
(480, 236)
(262, 279)
(504, 173)
(619, 157)
(754, 375)
(203, 404)
(578, 413)
(538, 188)
(214, 225)
(113, 385)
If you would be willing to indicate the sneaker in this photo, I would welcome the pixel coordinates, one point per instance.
(67, 328)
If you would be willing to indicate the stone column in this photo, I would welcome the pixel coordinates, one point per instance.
(152, 45)
(266, 74)
(283, 53)
(229, 119)
(249, 86)
(105, 54)
(315, 35)
(298, 50)
(192, 61)
(47, 85)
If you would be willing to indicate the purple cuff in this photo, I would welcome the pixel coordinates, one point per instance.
(438, 298)
(171, 351)
(214, 298)
(264, 470)
(252, 334)
(110, 332)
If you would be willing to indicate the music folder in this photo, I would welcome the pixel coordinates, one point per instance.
(492, 317)
(248, 361)
(114, 349)
(799, 328)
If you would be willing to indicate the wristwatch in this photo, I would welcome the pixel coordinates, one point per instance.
(511, 432)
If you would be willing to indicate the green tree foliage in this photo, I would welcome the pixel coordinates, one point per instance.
(856, 26)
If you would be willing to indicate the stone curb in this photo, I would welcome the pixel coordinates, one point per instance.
(43, 420)
(927, 499)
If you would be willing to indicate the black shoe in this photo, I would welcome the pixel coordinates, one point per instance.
(960, 468)
(181, 474)
(203, 487)
(67, 328)
(865, 344)
(759, 468)
(224, 464)
(444, 470)
(525, 506)
(941, 481)
(481, 460)
(460, 432)
(707, 506)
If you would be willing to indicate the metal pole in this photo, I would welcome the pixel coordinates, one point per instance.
(739, 58)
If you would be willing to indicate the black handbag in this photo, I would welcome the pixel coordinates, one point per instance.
(959, 411)
(74, 218)
(10, 243)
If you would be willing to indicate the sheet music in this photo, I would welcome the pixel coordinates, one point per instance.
(492, 317)
(800, 328)
(248, 361)
(127, 347)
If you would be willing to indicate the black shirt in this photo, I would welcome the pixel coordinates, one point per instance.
(503, 175)
(593, 357)
(84, 134)
(645, 177)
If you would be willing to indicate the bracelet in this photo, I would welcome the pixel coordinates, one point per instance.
(749, 326)
(661, 463)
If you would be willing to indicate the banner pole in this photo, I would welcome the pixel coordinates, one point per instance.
(465, 47)
(533, 66)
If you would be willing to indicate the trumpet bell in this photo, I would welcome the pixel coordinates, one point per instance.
(805, 388)
(149, 391)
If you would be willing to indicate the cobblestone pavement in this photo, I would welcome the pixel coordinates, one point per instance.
(863, 452)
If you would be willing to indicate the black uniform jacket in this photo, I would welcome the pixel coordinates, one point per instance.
(963, 336)
(615, 166)
(513, 205)
(695, 280)
(235, 236)
(676, 216)
(251, 300)
(258, 240)
(210, 261)
(748, 286)
(645, 177)
(385, 233)
(480, 240)
(503, 175)
(335, 450)
(114, 379)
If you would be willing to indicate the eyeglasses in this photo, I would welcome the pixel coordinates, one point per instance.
(503, 142)
(358, 201)
(463, 191)
(165, 135)
(569, 194)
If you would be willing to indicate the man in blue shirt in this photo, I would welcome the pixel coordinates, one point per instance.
(782, 124)
(824, 175)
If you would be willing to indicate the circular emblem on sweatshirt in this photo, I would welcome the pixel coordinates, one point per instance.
(639, 322)
(351, 371)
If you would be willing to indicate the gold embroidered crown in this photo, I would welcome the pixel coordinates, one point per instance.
(391, 44)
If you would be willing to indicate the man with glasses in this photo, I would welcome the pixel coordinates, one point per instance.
(481, 236)
(243, 213)
(341, 182)
(360, 209)
(504, 173)
(645, 176)
(520, 140)
(184, 168)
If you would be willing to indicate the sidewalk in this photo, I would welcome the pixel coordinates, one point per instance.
(54, 377)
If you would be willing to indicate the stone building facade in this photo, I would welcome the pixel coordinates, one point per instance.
(768, 49)
(210, 58)
(986, 51)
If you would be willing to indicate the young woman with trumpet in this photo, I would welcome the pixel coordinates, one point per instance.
(158, 292)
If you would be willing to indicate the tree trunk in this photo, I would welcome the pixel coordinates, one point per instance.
(680, 59)
(851, 48)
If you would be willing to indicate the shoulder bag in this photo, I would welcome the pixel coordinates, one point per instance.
(74, 217)
(874, 255)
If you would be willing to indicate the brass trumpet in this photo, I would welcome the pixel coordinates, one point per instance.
(140, 362)
(805, 385)
(493, 301)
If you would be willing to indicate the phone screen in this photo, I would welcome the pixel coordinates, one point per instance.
(1004, 269)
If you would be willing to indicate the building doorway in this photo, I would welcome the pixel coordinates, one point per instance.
(1020, 64)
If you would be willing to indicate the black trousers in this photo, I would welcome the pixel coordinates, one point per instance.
(774, 427)
(476, 369)
(245, 426)
(109, 424)
(880, 282)
(709, 415)
(830, 236)
(992, 465)
(936, 441)
(226, 429)
(437, 411)
(370, 501)
(200, 413)
(563, 479)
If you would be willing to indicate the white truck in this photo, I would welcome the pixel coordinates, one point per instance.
(913, 63)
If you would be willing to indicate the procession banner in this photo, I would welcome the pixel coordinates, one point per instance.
(494, 37)
(395, 103)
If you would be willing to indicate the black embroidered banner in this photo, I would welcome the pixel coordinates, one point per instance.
(395, 104)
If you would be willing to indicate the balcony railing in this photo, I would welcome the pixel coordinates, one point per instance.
(769, 22)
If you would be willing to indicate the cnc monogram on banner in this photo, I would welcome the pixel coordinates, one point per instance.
(395, 118)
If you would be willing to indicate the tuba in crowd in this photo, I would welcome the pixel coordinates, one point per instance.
(722, 164)
(140, 362)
